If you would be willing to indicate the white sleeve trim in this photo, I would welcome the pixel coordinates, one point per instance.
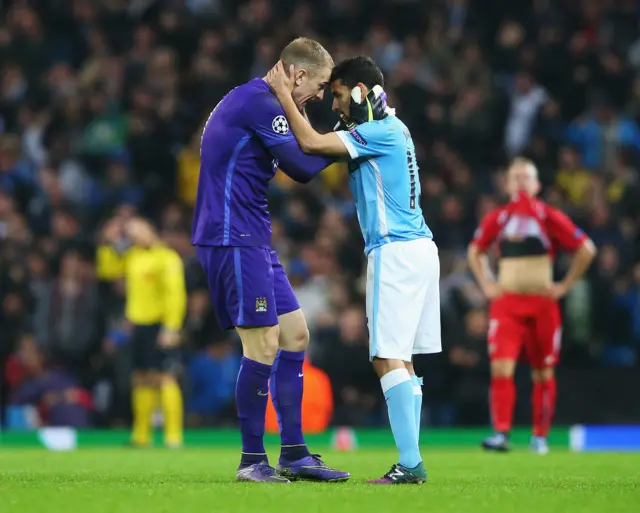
(344, 137)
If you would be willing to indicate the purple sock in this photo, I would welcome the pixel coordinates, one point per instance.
(252, 392)
(286, 386)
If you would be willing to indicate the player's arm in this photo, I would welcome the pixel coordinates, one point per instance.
(573, 240)
(264, 116)
(364, 141)
(309, 140)
(580, 262)
(477, 257)
(109, 263)
(175, 293)
(297, 165)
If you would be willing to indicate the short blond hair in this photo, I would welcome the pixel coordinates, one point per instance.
(307, 54)
(524, 162)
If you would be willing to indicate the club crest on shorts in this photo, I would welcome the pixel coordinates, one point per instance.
(261, 304)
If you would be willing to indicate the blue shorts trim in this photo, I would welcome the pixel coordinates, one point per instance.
(237, 261)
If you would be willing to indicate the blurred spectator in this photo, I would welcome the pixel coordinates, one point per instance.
(572, 179)
(628, 299)
(201, 327)
(600, 133)
(56, 395)
(212, 375)
(345, 358)
(188, 171)
(70, 326)
(470, 370)
(526, 100)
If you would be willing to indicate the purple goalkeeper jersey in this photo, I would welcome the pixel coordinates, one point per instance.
(244, 138)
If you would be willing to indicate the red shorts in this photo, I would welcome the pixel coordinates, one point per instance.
(532, 323)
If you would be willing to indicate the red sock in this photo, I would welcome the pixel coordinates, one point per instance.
(503, 398)
(544, 406)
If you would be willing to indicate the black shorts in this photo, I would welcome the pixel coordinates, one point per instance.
(147, 355)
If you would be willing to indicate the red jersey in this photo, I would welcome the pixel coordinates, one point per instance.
(528, 227)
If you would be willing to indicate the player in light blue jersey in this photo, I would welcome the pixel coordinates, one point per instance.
(403, 269)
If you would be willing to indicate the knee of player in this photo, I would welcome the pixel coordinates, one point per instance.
(296, 341)
(542, 374)
(260, 344)
(268, 350)
(383, 366)
(503, 368)
(294, 334)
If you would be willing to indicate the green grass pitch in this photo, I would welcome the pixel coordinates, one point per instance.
(199, 481)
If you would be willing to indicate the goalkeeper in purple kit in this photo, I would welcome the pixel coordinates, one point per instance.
(245, 140)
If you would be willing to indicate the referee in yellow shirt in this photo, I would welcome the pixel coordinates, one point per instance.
(156, 302)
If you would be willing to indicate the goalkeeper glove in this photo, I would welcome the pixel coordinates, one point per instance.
(371, 107)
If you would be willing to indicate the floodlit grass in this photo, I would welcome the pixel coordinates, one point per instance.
(194, 481)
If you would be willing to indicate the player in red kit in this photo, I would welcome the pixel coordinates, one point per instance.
(524, 312)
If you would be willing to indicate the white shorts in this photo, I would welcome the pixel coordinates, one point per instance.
(403, 300)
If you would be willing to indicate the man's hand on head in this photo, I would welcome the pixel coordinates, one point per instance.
(281, 80)
(370, 108)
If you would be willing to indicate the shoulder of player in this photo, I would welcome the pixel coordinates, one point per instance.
(259, 93)
(497, 215)
(262, 109)
(388, 123)
(546, 211)
(251, 99)
(161, 250)
(171, 260)
(379, 129)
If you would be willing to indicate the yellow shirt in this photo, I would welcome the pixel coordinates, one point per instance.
(575, 184)
(616, 190)
(155, 287)
(188, 173)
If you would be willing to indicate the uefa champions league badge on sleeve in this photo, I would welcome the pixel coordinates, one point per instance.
(280, 125)
(344, 439)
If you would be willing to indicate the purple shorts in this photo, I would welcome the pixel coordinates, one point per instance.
(248, 285)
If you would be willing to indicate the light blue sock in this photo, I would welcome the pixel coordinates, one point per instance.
(417, 397)
(398, 392)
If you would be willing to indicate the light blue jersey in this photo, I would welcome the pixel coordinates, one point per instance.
(385, 183)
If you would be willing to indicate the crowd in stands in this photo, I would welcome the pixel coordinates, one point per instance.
(101, 110)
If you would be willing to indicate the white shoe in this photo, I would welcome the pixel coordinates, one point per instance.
(539, 445)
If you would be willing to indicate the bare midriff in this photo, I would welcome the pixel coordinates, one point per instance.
(525, 275)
